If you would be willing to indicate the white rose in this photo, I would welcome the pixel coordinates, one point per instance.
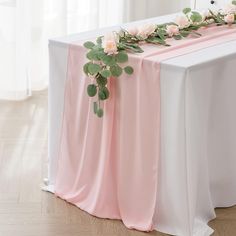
(229, 19)
(146, 30)
(109, 43)
(229, 9)
(172, 30)
(182, 21)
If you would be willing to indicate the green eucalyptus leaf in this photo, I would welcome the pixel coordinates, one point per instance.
(92, 90)
(95, 107)
(193, 27)
(85, 68)
(156, 40)
(133, 47)
(99, 40)
(121, 57)
(196, 16)
(137, 47)
(93, 55)
(101, 81)
(219, 19)
(161, 34)
(109, 60)
(100, 112)
(94, 68)
(97, 48)
(184, 33)
(186, 10)
(105, 73)
(116, 70)
(89, 44)
(129, 70)
(177, 37)
(234, 2)
(90, 55)
(120, 46)
(101, 54)
(103, 93)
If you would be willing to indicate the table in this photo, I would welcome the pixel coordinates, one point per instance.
(198, 132)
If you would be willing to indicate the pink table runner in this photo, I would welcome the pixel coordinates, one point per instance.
(108, 167)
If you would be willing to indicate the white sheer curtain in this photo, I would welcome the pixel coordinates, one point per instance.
(26, 25)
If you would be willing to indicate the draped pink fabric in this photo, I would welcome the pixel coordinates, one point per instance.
(108, 167)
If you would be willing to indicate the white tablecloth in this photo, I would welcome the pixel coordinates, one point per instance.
(198, 132)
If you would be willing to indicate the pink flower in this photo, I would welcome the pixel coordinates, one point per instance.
(172, 30)
(182, 21)
(146, 30)
(109, 43)
(229, 9)
(229, 19)
(133, 31)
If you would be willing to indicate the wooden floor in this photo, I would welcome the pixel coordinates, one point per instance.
(25, 210)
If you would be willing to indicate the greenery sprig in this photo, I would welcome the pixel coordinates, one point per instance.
(107, 55)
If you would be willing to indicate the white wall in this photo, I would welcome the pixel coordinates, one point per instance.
(207, 3)
(162, 7)
(140, 9)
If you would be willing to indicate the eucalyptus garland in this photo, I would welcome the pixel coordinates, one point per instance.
(107, 55)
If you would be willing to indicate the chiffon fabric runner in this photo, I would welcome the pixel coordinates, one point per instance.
(108, 166)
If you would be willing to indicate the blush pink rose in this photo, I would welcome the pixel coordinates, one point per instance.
(172, 30)
(182, 21)
(229, 19)
(133, 31)
(145, 30)
(109, 43)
